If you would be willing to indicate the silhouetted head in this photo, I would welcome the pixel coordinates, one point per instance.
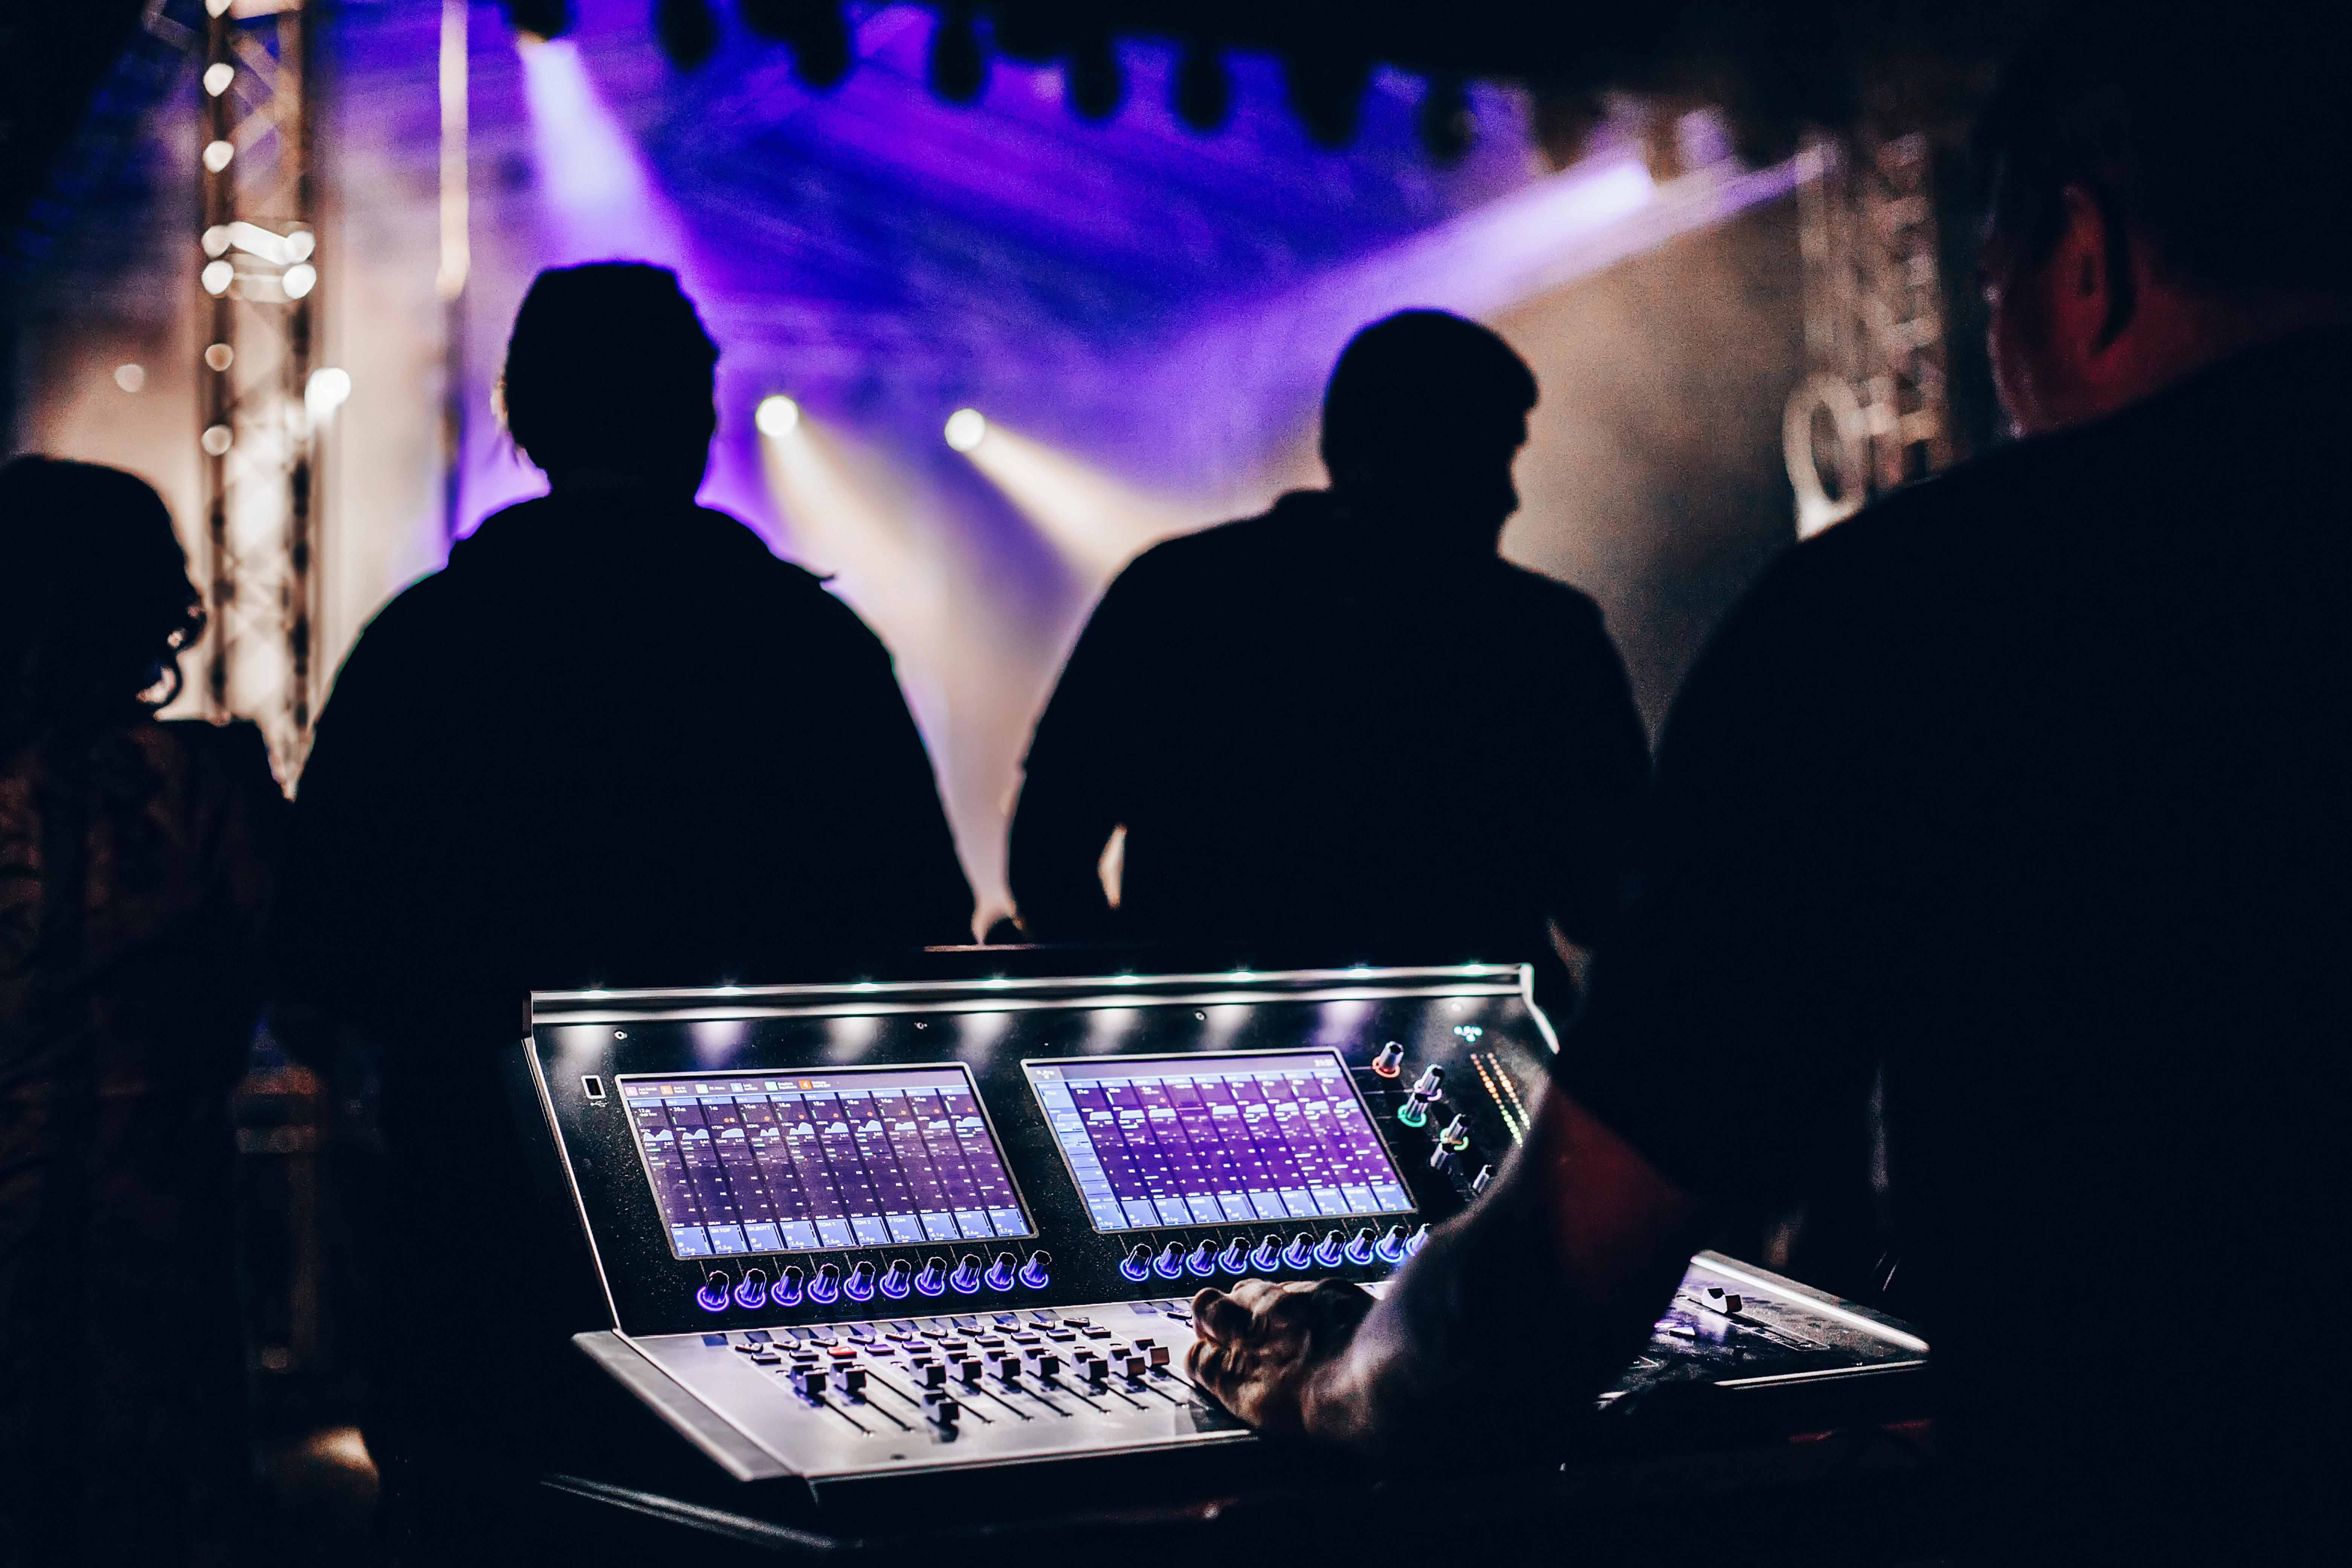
(1423, 415)
(95, 601)
(2159, 197)
(608, 380)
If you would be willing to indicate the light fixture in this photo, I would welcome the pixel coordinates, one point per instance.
(327, 390)
(131, 377)
(218, 276)
(777, 416)
(966, 429)
(216, 441)
(217, 75)
(217, 155)
(299, 280)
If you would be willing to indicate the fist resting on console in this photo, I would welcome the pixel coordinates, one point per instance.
(1268, 1351)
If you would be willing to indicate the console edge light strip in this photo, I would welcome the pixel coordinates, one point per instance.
(1830, 1305)
(859, 1008)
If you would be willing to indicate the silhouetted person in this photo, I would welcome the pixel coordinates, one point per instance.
(2030, 786)
(614, 742)
(136, 860)
(1347, 727)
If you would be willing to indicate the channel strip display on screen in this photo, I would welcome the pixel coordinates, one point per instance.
(866, 1157)
(1213, 1139)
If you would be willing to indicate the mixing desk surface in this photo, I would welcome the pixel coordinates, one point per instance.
(848, 1232)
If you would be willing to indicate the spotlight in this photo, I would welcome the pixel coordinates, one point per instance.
(327, 390)
(217, 75)
(956, 68)
(539, 18)
(131, 377)
(1326, 93)
(217, 154)
(777, 416)
(1098, 85)
(1204, 94)
(966, 429)
(299, 280)
(688, 31)
(814, 30)
(1446, 125)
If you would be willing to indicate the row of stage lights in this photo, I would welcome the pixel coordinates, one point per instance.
(1326, 91)
(778, 416)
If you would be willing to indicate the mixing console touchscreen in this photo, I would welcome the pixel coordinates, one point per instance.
(747, 1162)
(1210, 1140)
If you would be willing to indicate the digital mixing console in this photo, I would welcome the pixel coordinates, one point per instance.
(850, 1231)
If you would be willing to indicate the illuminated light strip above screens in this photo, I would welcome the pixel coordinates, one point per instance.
(1504, 974)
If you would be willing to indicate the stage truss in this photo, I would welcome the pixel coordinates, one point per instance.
(259, 431)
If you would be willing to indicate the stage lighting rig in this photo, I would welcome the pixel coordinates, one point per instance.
(1098, 84)
(1446, 125)
(1204, 93)
(814, 30)
(956, 68)
(539, 18)
(688, 31)
(1326, 93)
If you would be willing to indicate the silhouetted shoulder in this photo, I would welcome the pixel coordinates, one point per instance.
(1300, 526)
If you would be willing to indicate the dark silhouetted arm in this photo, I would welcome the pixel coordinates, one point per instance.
(1605, 776)
(1079, 778)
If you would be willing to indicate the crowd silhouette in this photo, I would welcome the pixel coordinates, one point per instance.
(2021, 794)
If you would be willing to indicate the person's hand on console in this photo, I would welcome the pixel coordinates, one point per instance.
(1579, 1239)
(1262, 1347)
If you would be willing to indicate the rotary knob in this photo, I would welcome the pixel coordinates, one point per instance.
(859, 1286)
(1456, 1134)
(1169, 1263)
(1201, 1260)
(1390, 1247)
(1300, 1252)
(1267, 1255)
(1331, 1250)
(1478, 1182)
(933, 1279)
(1416, 1241)
(897, 1277)
(826, 1289)
(1136, 1264)
(787, 1292)
(751, 1290)
(1390, 1062)
(1414, 1111)
(1235, 1258)
(1034, 1272)
(1000, 1273)
(966, 1277)
(1360, 1246)
(714, 1295)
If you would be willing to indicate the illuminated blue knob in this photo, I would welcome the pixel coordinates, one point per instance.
(1203, 1259)
(1034, 1272)
(859, 1286)
(1235, 1258)
(712, 1297)
(1169, 1263)
(933, 1279)
(1136, 1264)
(896, 1279)
(1390, 1247)
(1416, 1241)
(787, 1292)
(1331, 1250)
(966, 1277)
(1000, 1273)
(1360, 1246)
(1267, 1255)
(1300, 1252)
(753, 1289)
(826, 1289)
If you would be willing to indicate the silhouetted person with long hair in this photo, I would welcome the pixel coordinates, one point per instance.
(1346, 728)
(615, 741)
(2026, 788)
(136, 860)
